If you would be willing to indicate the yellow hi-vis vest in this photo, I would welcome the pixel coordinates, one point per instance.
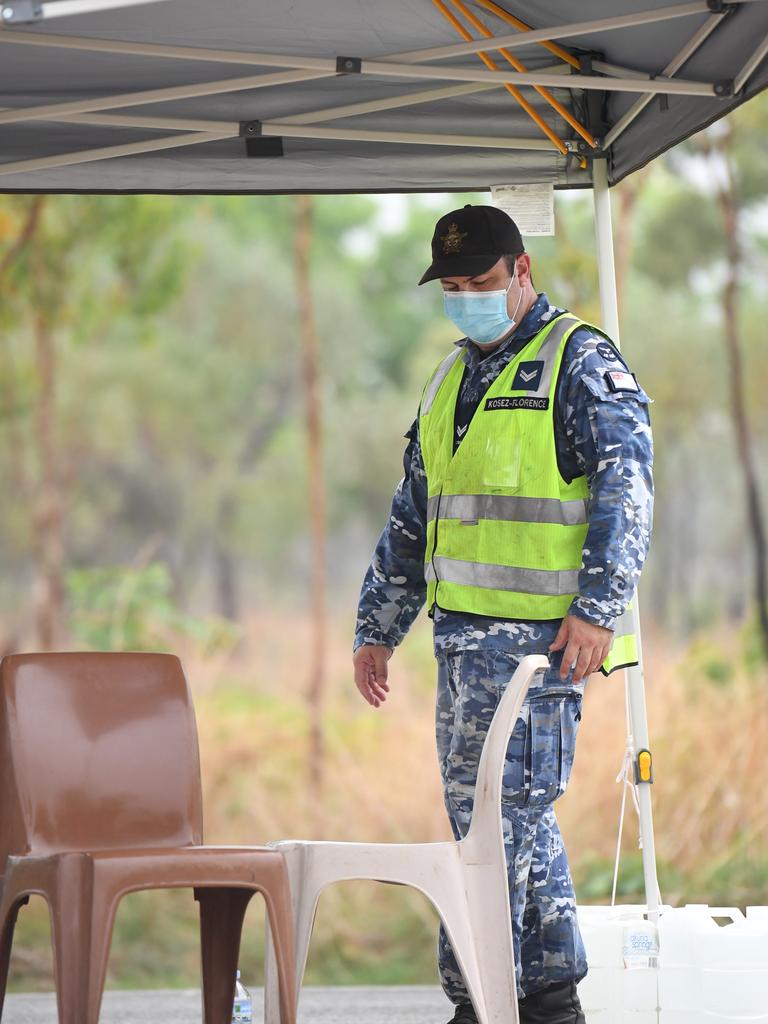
(505, 531)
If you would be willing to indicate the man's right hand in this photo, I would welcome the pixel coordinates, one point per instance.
(370, 663)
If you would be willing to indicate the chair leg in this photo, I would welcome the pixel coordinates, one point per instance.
(454, 916)
(82, 915)
(222, 911)
(6, 942)
(491, 928)
(474, 908)
(280, 953)
(302, 904)
(271, 979)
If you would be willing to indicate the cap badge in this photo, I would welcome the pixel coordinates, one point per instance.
(453, 241)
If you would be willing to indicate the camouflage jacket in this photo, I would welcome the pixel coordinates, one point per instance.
(602, 434)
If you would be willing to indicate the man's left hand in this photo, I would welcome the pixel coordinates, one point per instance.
(584, 643)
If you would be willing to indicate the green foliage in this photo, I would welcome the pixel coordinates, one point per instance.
(392, 941)
(118, 608)
(564, 265)
(740, 879)
(679, 232)
(593, 878)
(90, 260)
(719, 664)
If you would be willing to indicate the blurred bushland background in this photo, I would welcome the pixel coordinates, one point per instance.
(202, 407)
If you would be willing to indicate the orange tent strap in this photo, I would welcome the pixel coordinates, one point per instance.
(519, 66)
(493, 66)
(512, 20)
(453, 20)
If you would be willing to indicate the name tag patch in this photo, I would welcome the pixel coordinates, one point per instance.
(621, 380)
(528, 376)
(518, 402)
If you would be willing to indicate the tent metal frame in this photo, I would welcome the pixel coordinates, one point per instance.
(759, 53)
(683, 55)
(403, 65)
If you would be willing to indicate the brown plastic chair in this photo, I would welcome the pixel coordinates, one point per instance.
(100, 796)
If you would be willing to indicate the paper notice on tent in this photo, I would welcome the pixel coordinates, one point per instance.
(531, 207)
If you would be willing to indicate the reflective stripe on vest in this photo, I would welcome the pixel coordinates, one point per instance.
(433, 385)
(505, 532)
(503, 577)
(471, 507)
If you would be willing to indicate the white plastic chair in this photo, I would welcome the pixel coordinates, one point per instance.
(466, 880)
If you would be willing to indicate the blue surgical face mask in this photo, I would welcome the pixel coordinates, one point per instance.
(482, 316)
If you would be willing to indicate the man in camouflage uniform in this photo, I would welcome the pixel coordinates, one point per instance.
(603, 435)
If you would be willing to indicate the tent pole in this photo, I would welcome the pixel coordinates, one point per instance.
(520, 40)
(635, 679)
(268, 128)
(84, 156)
(50, 111)
(757, 57)
(326, 68)
(397, 69)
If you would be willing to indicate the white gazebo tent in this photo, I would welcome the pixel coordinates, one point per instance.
(120, 96)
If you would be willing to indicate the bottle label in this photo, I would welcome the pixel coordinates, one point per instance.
(640, 948)
(242, 1013)
(639, 944)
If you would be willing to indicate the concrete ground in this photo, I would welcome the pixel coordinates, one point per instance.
(411, 1004)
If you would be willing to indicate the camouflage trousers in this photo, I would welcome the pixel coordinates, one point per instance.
(548, 945)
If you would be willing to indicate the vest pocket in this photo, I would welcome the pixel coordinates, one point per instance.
(500, 460)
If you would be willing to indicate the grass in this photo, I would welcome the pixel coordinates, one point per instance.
(709, 732)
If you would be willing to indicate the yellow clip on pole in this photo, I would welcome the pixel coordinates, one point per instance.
(644, 766)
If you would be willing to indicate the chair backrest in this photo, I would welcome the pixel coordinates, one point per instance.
(98, 751)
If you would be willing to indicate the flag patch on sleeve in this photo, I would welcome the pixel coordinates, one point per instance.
(621, 380)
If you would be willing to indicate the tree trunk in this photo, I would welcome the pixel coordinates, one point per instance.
(49, 511)
(19, 479)
(729, 213)
(26, 234)
(226, 570)
(316, 685)
(226, 564)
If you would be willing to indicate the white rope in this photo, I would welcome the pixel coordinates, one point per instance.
(626, 776)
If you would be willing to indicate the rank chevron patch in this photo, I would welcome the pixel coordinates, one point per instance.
(528, 376)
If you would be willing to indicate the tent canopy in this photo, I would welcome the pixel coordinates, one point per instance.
(250, 96)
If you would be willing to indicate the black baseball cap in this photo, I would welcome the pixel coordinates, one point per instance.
(469, 241)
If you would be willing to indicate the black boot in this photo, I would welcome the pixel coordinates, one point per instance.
(557, 1004)
(465, 1014)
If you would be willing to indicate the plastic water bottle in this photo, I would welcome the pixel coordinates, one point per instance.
(242, 1011)
(640, 945)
